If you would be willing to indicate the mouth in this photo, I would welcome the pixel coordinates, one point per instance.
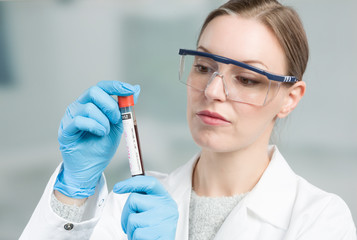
(212, 118)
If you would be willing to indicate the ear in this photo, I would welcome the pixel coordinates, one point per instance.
(292, 98)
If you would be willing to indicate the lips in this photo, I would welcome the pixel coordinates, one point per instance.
(212, 118)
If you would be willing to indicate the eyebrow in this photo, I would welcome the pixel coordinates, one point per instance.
(245, 61)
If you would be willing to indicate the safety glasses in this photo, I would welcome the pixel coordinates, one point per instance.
(242, 82)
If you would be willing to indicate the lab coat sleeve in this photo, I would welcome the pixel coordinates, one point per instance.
(333, 223)
(46, 224)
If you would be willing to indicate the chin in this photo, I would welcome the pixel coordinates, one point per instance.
(214, 142)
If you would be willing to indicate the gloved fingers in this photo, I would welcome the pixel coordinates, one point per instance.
(120, 88)
(84, 124)
(159, 232)
(141, 184)
(89, 110)
(151, 209)
(148, 233)
(136, 220)
(103, 101)
(153, 217)
(138, 203)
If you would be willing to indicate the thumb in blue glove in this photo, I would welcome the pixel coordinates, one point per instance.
(149, 212)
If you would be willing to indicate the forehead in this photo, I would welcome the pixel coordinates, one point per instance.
(245, 40)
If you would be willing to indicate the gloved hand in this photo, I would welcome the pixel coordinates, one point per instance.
(89, 135)
(149, 212)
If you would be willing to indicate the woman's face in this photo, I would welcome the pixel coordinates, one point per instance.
(251, 42)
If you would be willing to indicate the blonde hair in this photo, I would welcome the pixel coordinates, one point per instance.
(282, 20)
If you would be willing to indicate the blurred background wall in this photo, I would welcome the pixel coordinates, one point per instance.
(50, 52)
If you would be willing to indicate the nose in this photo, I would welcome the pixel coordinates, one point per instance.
(216, 88)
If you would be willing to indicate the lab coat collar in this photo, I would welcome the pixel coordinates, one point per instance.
(179, 184)
(271, 199)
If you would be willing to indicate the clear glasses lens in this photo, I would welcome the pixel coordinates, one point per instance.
(242, 85)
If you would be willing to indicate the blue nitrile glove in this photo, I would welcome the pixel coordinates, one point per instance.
(89, 135)
(149, 212)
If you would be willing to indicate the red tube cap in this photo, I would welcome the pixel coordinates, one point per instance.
(126, 101)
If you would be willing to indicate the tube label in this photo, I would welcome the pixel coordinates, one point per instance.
(131, 144)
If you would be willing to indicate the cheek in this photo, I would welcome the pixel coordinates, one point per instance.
(252, 123)
(192, 100)
(249, 124)
(256, 123)
(203, 135)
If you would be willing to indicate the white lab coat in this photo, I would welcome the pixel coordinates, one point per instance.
(281, 206)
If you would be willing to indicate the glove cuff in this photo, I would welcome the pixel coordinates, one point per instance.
(71, 190)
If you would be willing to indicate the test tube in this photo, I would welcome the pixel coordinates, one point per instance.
(126, 106)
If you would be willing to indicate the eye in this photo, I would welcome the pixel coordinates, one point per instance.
(201, 68)
(247, 81)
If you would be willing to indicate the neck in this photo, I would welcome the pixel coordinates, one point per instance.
(228, 174)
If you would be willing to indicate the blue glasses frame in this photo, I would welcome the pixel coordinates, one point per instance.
(217, 58)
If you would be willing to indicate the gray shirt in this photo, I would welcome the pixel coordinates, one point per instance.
(208, 213)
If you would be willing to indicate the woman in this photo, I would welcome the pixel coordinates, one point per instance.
(245, 74)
